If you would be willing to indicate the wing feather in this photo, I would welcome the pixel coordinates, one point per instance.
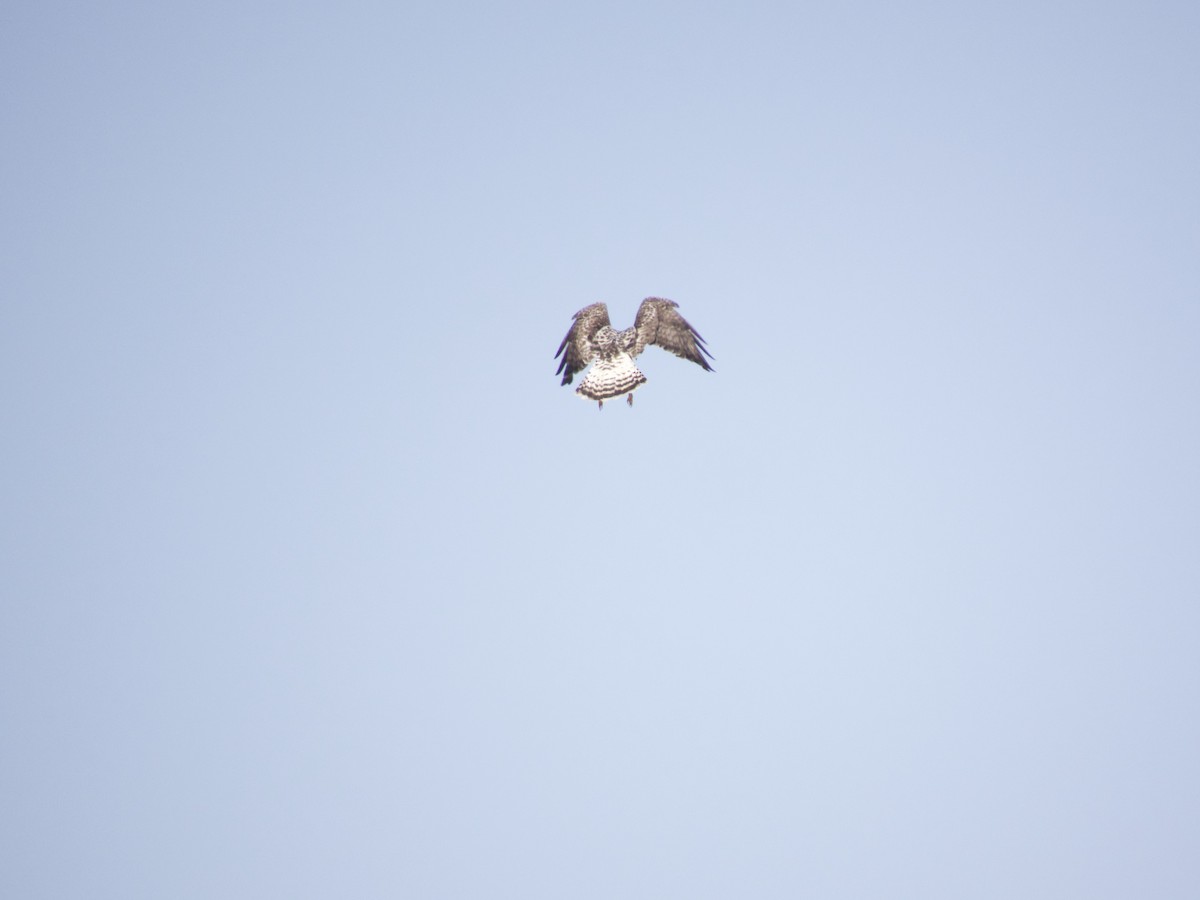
(578, 343)
(658, 323)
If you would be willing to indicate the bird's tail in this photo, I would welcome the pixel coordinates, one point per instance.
(610, 378)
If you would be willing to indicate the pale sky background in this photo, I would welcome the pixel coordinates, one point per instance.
(317, 584)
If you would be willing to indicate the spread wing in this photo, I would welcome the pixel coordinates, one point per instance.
(578, 343)
(658, 323)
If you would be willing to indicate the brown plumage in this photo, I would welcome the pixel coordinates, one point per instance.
(592, 340)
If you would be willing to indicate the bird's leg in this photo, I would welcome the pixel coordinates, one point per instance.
(601, 406)
(629, 399)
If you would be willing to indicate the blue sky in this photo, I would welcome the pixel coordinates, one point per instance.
(316, 582)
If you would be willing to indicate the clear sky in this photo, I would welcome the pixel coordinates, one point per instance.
(315, 583)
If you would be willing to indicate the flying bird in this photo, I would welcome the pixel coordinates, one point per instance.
(592, 340)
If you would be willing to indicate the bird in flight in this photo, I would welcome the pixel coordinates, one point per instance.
(611, 353)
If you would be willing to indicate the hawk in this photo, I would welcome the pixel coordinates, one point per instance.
(592, 339)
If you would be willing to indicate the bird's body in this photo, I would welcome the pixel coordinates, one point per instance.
(611, 353)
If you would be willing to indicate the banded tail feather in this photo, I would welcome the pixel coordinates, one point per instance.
(610, 378)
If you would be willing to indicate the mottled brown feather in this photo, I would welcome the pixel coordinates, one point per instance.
(658, 323)
(578, 342)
